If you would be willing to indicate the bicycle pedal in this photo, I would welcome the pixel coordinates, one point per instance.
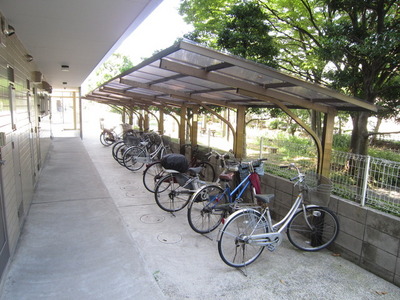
(271, 248)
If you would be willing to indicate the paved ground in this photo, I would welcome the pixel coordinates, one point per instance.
(94, 232)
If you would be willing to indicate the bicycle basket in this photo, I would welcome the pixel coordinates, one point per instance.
(232, 166)
(166, 140)
(260, 169)
(131, 140)
(244, 170)
(126, 127)
(319, 189)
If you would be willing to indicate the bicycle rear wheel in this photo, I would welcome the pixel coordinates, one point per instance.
(107, 138)
(152, 174)
(170, 195)
(314, 229)
(204, 211)
(207, 173)
(134, 158)
(233, 246)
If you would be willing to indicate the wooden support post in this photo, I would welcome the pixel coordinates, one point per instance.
(239, 139)
(123, 117)
(182, 127)
(327, 141)
(193, 133)
(141, 121)
(161, 122)
(146, 122)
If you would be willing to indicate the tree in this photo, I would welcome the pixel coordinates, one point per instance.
(244, 33)
(239, 29)
(206, 16)
(113, 66)
(360, 39)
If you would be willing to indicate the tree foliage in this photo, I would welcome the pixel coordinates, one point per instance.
(239, 29)
(352, 45)
(244, 33)
(113, 66)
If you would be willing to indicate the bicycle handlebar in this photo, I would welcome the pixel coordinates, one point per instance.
(217, 155)
(300, 176)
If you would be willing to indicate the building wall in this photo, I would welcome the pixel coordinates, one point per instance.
(20, 121)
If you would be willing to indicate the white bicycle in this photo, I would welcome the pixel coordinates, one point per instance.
(248, 231)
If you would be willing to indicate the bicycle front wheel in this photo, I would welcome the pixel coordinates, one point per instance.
(134, 158)
(313, 229)
(170, 195)
(118, 152)
(206, 209)
(233, 243)
(152, 175)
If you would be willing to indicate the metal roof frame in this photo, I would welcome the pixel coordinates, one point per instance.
(188, 75)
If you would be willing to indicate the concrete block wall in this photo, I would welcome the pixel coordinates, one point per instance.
(367, 237)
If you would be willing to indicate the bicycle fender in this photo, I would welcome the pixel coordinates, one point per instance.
(232, 216)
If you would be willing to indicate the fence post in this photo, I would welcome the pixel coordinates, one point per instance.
(261, 146)
(365, 180)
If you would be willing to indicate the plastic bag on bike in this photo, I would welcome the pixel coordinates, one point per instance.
(177, 162)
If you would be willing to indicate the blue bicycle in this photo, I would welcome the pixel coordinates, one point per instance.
(212, 203)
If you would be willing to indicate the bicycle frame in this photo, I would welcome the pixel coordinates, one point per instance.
(274, 237)
(150, 156)
(160, 148)
(241, 187)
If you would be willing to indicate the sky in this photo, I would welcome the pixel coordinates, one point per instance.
(159, 31)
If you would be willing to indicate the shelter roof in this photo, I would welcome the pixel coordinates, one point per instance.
(188, 74)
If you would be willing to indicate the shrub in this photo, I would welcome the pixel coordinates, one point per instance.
(341, 142)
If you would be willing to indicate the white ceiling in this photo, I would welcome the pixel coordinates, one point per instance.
(77, 33)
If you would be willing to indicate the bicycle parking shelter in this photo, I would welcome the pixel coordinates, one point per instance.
(190, 76)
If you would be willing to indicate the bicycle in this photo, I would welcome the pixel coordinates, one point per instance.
(135, 157)
(248, 231)
(110, 136)
(208, 171)
(173, 190)
(127, 141)
(212, 203)
(154, 171)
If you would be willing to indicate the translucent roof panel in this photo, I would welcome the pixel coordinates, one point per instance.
(191, 74)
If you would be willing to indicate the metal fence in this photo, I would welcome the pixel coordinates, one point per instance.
(364, 179)
(367, 180)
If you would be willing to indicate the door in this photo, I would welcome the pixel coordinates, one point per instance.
(4, 251)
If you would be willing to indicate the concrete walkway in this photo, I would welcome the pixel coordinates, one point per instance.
(94, 232)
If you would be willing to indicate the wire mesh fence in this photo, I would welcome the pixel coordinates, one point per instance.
(364, 179)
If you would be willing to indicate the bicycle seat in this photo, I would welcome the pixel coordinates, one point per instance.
(172, 171)
(195, 171)
(265, 198)
(227, 176)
